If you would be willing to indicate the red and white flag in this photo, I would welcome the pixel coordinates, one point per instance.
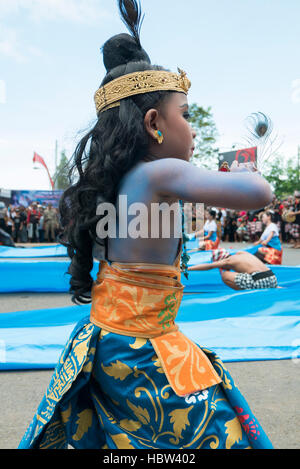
(38, 159)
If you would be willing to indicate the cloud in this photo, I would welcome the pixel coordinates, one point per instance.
(12, 46)
(38, 11)
(78, 11)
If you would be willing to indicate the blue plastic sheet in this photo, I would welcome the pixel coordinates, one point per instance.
(38, 251)
(23, 270)
(35, 275)
(239, 326)
(50, 275)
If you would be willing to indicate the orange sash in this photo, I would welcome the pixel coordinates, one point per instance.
(209, 244)
(142, 300)
(272, 256)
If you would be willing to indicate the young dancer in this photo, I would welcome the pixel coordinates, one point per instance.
(128, 378)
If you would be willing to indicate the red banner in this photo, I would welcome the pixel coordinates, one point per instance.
(38, 159)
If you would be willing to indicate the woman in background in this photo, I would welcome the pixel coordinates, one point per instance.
(270, 248)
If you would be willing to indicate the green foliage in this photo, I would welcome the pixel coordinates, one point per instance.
(61, 179)
(283, 175)
(205, 154)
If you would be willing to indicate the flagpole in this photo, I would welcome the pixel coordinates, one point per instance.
(56, 149)
(298, 158)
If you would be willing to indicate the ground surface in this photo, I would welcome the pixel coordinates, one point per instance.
(270, 387)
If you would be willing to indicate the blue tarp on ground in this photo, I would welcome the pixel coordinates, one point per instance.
(49, 275)
(57, 250)
(238, 325)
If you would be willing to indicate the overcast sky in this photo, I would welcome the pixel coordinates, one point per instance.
(242, 56)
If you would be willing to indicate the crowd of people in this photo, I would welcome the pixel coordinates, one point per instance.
(35, 224)
(40, 223)
(245, 226)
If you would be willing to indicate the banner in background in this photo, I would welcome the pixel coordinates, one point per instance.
(25, 198)
(246, 155)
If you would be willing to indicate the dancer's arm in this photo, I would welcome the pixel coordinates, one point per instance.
(240, 189)
(266, 241)
(212, 265)
(208, 235)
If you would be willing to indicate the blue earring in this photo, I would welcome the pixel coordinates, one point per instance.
(159, 136)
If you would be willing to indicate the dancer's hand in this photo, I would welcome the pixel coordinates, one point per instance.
(237, 167)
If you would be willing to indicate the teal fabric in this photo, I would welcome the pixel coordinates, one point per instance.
(109, 391)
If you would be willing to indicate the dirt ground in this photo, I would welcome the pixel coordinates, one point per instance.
(270, 387)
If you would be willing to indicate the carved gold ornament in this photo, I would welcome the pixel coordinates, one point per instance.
(148, 81)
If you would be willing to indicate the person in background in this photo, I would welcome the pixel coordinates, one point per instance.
(2, 216)
(296, 224)
(223, 222)
(242, 231)
(50, 223)
(210, 239)
(270, 248)
(251, 226)
(231, 226)
(258, 227)
(33, 216)
(41, 229)
(240, 271)
(219, 223)
(23, 224)
(9, 223)
(17, 223)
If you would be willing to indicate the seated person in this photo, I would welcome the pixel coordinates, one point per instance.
(6, 239)
(210, 240)
(270, 249)
(248, 271)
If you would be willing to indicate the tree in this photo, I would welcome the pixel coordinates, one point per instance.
(205, 154)
(61, 178)
(283, 176)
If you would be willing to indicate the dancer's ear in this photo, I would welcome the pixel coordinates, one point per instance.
(151, 122)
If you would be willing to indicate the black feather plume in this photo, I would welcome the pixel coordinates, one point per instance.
(131, 15)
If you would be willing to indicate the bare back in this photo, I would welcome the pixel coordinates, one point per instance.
(156, 242)
(244, 262)
(166, 181)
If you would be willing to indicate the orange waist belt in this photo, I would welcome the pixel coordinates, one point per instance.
(142, 300)
(272, 256)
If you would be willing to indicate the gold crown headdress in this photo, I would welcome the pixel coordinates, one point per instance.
(148, 81)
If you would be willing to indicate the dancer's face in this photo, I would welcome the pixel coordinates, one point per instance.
(172, 121)
(265, 218)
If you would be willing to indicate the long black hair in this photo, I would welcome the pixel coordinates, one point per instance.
(116, 143)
